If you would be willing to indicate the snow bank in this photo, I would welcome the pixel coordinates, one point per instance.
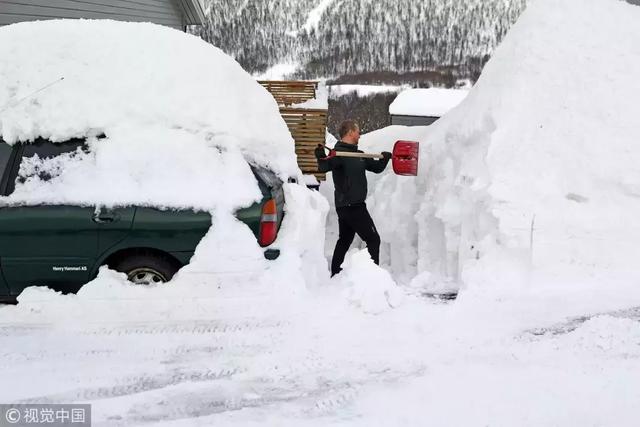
(533, 179)
(172, 107)
(432, 102)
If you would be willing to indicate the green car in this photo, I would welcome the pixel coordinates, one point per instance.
(62, 247)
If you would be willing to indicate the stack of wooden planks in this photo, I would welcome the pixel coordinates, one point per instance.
(308, 128)
(290, 92)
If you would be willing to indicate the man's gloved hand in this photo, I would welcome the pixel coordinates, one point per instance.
(319, 152)
(386, 155)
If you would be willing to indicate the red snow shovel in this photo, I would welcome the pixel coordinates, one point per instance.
(404, 157)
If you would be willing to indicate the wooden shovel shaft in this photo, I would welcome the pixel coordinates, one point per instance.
(360, 155)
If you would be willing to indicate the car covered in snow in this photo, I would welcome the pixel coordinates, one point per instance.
(116, 153)
(62, 246)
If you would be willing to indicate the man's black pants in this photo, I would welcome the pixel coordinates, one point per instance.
(351, 220)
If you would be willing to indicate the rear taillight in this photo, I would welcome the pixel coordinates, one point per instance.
(268, 223)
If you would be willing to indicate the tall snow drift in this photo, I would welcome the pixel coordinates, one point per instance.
(534, 178)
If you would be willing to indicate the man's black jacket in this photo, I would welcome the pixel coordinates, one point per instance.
(349, 176)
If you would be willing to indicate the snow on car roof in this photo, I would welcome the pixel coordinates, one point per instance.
(174, 109)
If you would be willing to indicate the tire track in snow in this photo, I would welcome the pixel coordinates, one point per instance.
(194, 329)
(574, 323)
(152, 354)
(134, 385)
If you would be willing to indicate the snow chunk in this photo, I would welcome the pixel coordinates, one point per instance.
(369, 287)
(432, 102)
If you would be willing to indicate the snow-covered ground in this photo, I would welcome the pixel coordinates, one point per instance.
(526, 200)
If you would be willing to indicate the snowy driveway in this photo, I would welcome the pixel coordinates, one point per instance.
(297, 362)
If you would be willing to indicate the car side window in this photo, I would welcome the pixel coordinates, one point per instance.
(5, 155)
(45, 150)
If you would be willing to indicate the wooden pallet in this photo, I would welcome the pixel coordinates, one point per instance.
(287, 93)
(308, 128)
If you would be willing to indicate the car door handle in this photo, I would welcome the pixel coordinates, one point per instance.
(104, 217)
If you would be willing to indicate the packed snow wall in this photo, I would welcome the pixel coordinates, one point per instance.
(534, 178)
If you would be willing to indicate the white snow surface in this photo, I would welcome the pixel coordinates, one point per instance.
(321, 100)
(533, 179)
(545, 331)
(180, 112)
(431, 102)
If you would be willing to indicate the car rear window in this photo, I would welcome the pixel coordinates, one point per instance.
(46, 149)
(5, 154)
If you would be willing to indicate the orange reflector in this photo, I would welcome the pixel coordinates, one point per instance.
(269, 208)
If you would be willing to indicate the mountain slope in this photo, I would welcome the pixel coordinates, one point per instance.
(336, 37)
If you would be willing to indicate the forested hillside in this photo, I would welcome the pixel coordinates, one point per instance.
(329, 38)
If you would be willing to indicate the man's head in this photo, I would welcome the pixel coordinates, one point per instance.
(349, 132)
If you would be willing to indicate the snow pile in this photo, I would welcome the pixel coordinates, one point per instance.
(165, 124)
(533, 178)
(368, 286)
(432, 102)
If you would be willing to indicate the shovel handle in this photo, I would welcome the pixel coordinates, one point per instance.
(359, 155)
(334, 153)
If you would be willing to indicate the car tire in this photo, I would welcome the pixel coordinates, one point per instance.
(147, 268)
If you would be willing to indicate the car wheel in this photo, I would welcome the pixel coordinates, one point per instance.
(147, 269)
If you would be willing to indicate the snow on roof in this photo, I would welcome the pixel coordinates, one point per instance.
(168, 102)
(432, 102)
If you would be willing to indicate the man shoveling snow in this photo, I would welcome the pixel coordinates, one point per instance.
(350, 183)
